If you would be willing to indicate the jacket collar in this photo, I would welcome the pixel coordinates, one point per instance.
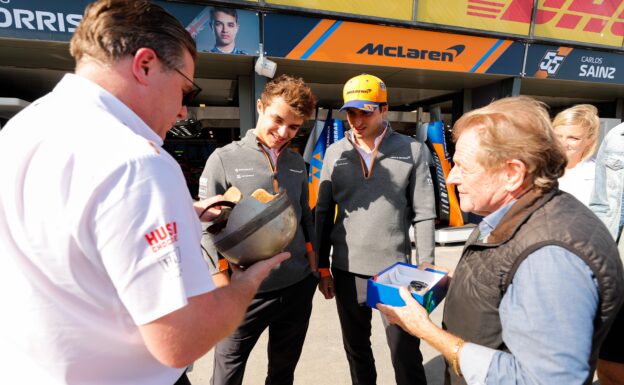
(389, 131)
(519, 213)
(83, 91)
(251, 140)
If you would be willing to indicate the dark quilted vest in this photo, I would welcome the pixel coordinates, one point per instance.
(486, 269)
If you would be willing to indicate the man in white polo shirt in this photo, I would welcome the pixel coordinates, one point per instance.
(101, 277)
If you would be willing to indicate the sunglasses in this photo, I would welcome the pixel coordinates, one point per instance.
(189, 96)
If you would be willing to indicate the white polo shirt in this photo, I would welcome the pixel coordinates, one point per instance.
(579, 181)
(97, 235)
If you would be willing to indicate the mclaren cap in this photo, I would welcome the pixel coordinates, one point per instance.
(366, 92)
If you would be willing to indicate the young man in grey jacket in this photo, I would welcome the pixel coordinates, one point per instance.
(262, 159)
(374, 185)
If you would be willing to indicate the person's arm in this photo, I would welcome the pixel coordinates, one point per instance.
(213, 182)
(204, 214)
(307, 224)
(598, 201)
(146, 235)
(181, 337)
(218, 265)
(548, 321)
(324, 215)
(543, 332)
(423, 206)
(413, 318)
(424, 239)
(222, 278)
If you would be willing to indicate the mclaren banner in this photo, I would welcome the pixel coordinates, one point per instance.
(545, 61)
(588, 21)
(327, 40)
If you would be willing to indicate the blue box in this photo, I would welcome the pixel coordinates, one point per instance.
(384, 287)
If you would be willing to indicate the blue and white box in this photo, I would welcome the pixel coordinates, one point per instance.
(384, 287)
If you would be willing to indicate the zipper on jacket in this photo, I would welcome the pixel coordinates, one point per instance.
(367, 172)
(272, 167)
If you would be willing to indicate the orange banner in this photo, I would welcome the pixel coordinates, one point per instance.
(348, 42)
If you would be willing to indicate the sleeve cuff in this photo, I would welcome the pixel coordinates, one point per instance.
(223, 264)
(324, 271)
(474, 361)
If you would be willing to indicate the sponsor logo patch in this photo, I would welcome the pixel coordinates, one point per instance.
(170, 262)
(366, 91)
(244, 173)
(162, 236)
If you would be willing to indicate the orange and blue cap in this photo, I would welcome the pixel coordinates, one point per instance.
(365, 92)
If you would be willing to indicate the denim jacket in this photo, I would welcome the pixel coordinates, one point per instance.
(606, 200)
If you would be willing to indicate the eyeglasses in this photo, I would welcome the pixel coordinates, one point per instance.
(189, 96)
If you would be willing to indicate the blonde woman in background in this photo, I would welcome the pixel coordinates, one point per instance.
(577, 129)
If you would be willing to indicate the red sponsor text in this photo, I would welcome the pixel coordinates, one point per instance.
(162, 236)
(581, 15)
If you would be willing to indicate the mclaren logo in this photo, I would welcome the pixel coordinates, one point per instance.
(412, 53)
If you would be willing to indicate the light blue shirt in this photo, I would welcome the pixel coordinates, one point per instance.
(547, 317)
(622, 212)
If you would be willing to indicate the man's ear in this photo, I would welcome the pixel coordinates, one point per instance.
(515, 175)
(143, 62)
(259, 106)
(383, 110)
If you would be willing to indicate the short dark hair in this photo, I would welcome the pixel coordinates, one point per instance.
(228, 11)
(113, 29)
(295, 93)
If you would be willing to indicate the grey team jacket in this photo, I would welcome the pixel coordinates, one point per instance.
(374, 212)
(247, 166)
